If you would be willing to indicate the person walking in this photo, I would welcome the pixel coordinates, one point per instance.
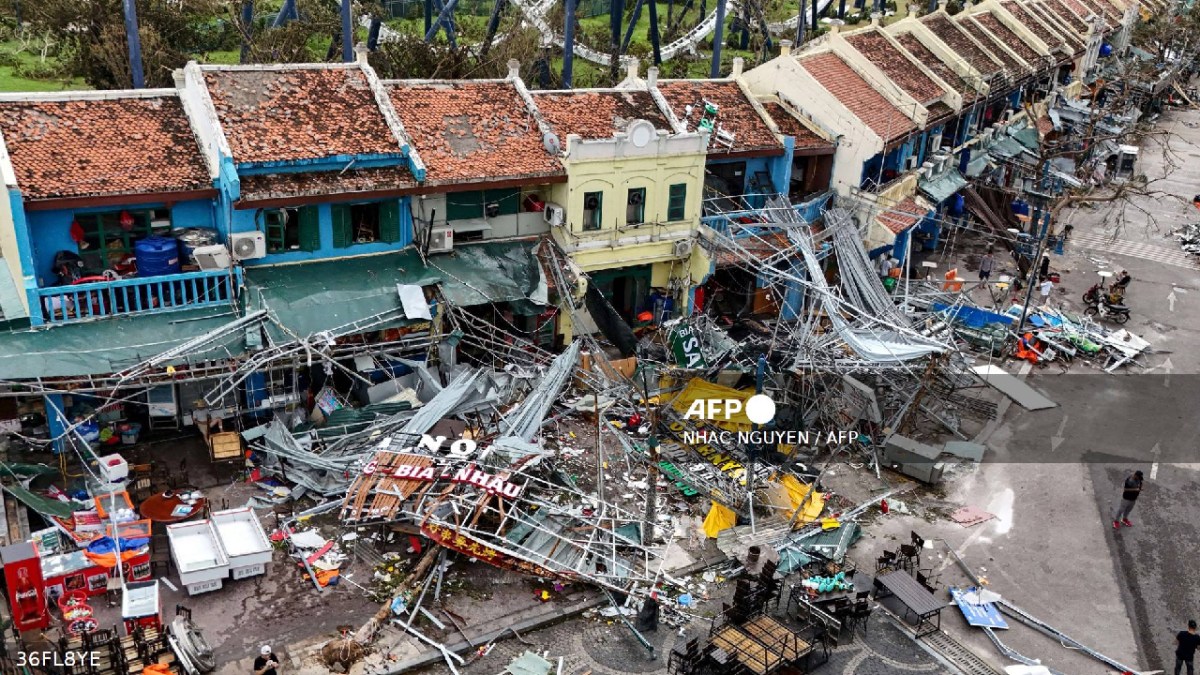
(1046, 288)
(1129, 495)
(1185, 647)
(985, 266)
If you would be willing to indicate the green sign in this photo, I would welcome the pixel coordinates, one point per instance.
(686, 348)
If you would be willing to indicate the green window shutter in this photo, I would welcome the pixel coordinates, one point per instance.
(389, 221)
(309, 229)
(464, 205)
(509, 200)
(343, 234)
(677, 201)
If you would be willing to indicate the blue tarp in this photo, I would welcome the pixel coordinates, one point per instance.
(972, 317)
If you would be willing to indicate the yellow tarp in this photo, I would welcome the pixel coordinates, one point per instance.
(796, 491)
(719, 519)
(698, 389)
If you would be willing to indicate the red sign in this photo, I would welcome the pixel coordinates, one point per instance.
(26, 597)
(491, 483)
(446, 536)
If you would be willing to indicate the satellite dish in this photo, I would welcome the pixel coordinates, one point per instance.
(641, 133)
(551, 143)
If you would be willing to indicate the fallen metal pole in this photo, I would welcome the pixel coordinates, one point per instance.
(1048, 630)
(641, 639)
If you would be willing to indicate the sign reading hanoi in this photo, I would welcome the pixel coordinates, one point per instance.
(491, 483)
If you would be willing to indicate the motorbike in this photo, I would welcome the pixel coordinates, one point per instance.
(1102, 310)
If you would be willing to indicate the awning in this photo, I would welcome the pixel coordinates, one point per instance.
(320, 296)
(942, 186)
(43, 505)
(977, 165)
(1028, 138)
(1005, 147)
(903, 216)
(111, 345)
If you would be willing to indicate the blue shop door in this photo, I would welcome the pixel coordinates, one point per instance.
(900, 248)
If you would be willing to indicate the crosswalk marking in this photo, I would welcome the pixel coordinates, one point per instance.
(1135, 249)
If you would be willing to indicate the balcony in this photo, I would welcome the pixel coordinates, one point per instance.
(148, 295)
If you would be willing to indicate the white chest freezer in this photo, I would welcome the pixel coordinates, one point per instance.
(244, 541)
(199, 558)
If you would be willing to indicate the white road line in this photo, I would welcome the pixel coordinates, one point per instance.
(1154, 471)
(1135, 249)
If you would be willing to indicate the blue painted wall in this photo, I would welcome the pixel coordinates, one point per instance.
(50, 231)
(778, 167)
(244, 221)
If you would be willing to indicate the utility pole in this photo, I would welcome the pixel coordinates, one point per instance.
(718, 42)
(1042, 218)
(652, 475)
(135, 45)
(568, 45)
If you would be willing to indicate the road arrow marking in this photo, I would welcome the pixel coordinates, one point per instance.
(1167, 368)
(1171, 301)
(1058, 438)
(1154, 452)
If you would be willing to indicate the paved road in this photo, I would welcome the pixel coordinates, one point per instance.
(1144, 417)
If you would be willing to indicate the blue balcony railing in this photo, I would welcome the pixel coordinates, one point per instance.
(148, 295)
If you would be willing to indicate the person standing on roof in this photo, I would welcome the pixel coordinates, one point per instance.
(1129, 495)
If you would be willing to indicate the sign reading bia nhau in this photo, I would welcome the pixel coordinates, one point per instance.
(413, 467)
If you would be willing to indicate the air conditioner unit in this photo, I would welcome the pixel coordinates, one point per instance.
(160, 224)
(214, 257)
(910, 162)
(441, 240)
(554, 214)
(683, 248)
(248, 245)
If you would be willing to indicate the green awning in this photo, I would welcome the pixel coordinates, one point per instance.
(1005, 147)
(43, 505)
(319, 296)
(1028, 138)
(977, 165)
(110, 345)
(941, 187)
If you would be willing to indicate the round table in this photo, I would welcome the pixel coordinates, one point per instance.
(165, 507)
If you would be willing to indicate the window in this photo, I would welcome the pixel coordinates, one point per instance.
(366, 223)
(292, 229)
(635, 209)
(110, 236)
(483, 204)
(677, 202)
(593, 206)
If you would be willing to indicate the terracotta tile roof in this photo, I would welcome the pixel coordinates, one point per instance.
(805, 138)
(472, 131)
(735, 113)
(896, 65)
(290, 114)
(1011, 64)
(948, 32)
(313, 183)
(913, 45)
(1066, 16)
(859, 97)
(938, 111)
(87, 148)
(1027, 19)
(1045, 125)
(1060, 26)
(1083, 9)
(1008, 37)
(902, 216)
(1104, 9)
(597, 114)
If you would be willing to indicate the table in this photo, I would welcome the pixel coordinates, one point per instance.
(915, 598)
(169, 507)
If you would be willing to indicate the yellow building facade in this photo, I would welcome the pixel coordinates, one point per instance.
(630, 213)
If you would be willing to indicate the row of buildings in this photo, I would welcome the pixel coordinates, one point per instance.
(330, 188)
